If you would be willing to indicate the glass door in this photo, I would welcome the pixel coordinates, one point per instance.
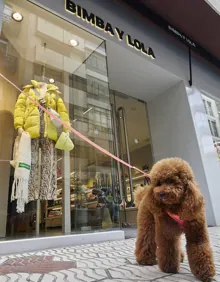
(94, 191)
(134, 147)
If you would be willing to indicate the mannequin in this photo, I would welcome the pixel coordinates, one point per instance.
(44, 134)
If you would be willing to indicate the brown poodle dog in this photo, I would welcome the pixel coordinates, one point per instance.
(173, 205)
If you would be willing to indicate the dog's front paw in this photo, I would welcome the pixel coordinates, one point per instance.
(201, 261)
(182, 256)
(205, 276)
(146, 261)
(170, 269)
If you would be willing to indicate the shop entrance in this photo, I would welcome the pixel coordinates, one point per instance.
(133, 145)
(136, 87)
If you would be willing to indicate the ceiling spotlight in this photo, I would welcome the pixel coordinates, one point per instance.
(136, 141)
(51, 80)
(96, 131)
(17, 17)
(74, 42)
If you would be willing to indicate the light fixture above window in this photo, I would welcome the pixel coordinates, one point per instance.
(96, 131)
(74, 42)
(17, 17)
(136, 141)
(51, 80)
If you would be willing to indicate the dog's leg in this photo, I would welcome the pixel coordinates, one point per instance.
(168, 252)
(182, 256)
(145, 245)
(199, 250)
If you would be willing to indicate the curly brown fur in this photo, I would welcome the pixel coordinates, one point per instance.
(138, 195)
(173, 189)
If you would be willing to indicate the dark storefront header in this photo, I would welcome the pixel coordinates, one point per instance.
(158, 20)
(182, 36)
(108, 28)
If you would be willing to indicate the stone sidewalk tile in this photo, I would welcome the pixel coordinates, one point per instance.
(118, 280)
(108, 261)
(23, 277)
(13, 277)
(134, 272)
(48, 278)
(3, 278)
(32, 264)
(177, 278)
(35, 277)
(121, 254)
(101, 263)
(82, 275)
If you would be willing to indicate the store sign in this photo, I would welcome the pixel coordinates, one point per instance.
(108, 28)
(182, 36)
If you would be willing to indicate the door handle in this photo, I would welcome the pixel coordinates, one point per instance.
(123, 117)
(114, 195)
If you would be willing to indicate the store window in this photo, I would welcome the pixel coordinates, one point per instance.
(212, 108)
(64, 68)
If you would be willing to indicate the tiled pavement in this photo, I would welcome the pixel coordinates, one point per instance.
(109, 261)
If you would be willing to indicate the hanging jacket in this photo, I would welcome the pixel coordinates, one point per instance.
(27, 115)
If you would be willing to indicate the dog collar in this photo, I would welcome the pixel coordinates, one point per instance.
(177, 218)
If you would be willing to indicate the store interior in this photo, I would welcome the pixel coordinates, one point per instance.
(142, 81)
(105, 88)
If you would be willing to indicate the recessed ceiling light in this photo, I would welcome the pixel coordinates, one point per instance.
(17, 17)
(51, 80)
(74, 42)
(136, 141)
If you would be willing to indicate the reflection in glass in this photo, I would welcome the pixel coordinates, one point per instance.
(40, 49)
(93, 183)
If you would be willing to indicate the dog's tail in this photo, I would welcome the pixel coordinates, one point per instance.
(139, 194)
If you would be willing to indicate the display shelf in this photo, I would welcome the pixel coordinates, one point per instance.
(54, 217)
(76, 194)
(137, 177)
(54, 207)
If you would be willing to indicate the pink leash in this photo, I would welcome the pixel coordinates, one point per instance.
(75, 131)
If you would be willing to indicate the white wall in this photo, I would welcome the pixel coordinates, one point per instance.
(173, 135)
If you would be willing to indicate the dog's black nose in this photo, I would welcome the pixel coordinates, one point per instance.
(162, 195)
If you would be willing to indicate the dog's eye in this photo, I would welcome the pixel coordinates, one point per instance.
(170, 181)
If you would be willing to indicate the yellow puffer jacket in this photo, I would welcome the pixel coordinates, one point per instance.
(27, 115)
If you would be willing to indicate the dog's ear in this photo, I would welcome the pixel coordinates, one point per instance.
(193, 202)
(152, 205)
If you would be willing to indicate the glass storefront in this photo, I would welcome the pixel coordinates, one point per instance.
(64, 68)
(44, 48)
